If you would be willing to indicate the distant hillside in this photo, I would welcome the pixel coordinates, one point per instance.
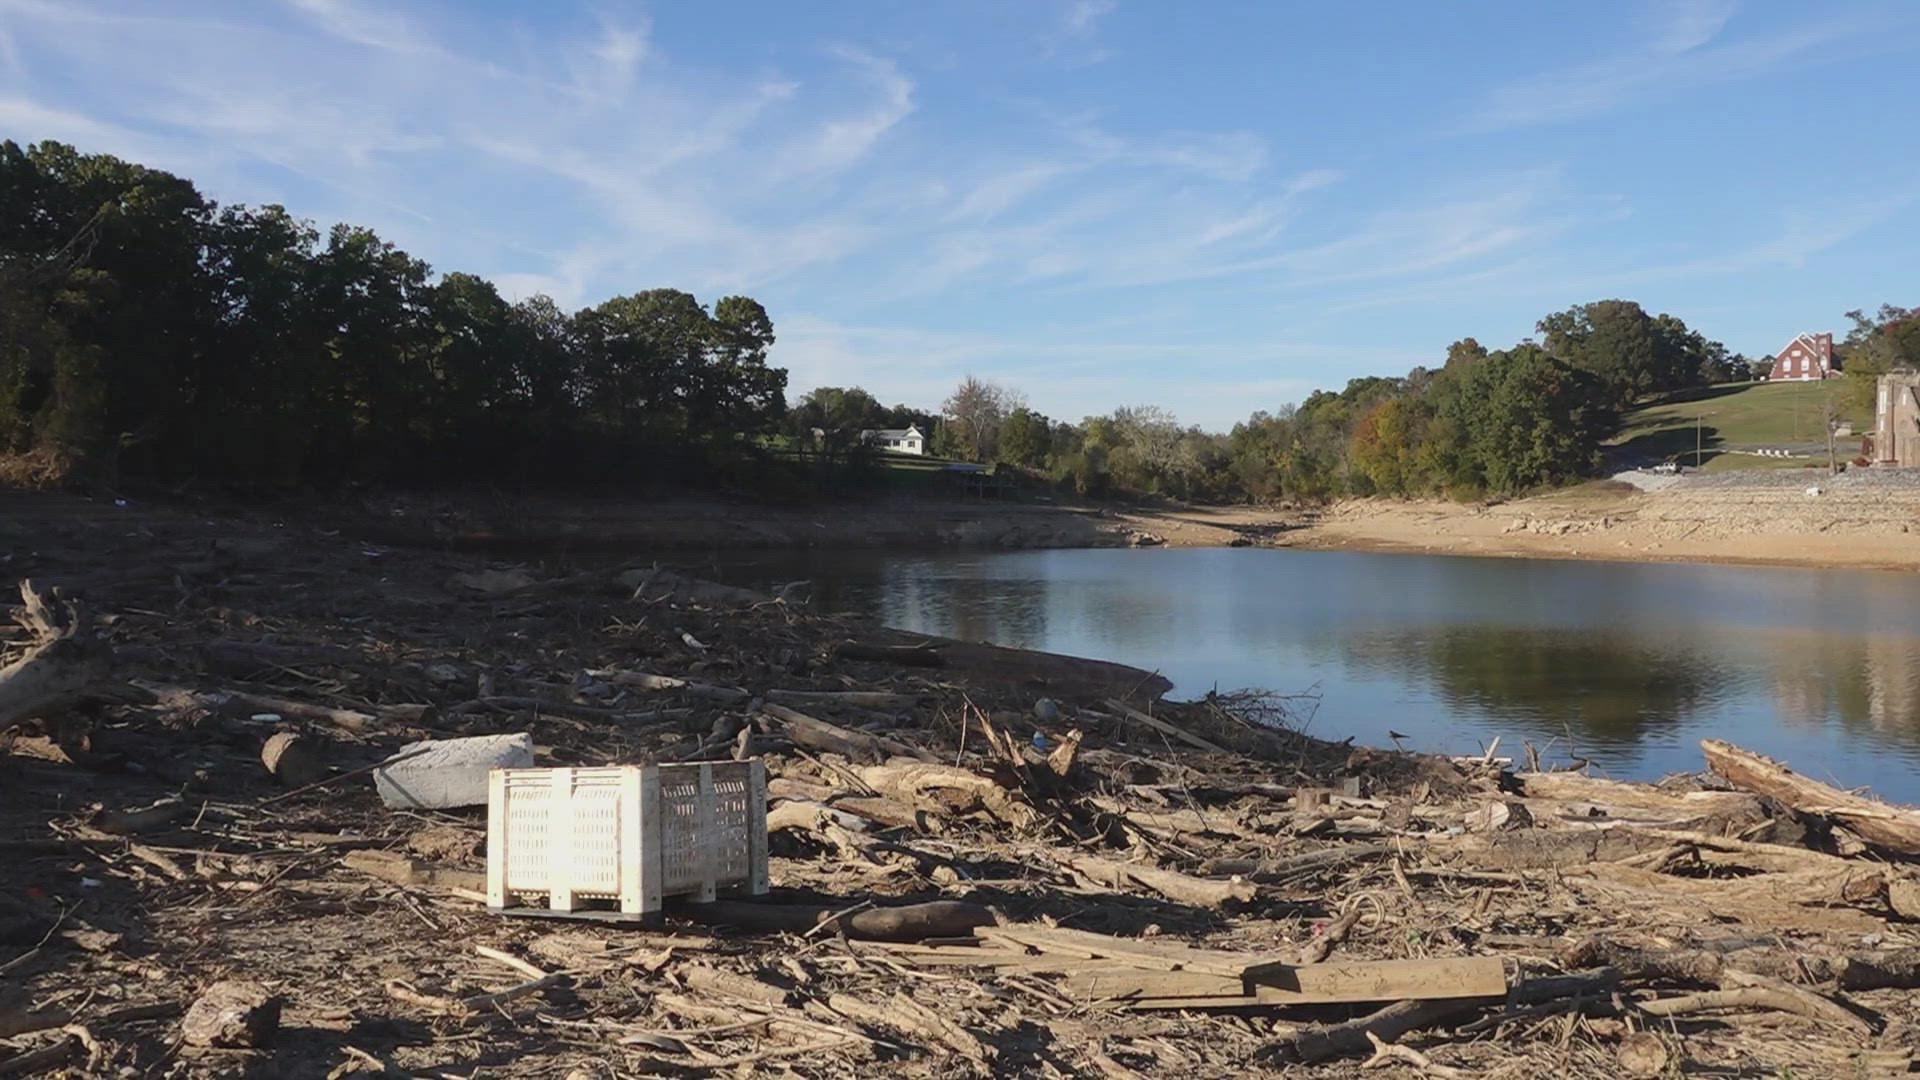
(1734, 417)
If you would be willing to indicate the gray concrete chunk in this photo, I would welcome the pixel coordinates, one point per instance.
(451, 772)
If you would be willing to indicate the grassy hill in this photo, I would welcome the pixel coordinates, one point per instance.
(1740, 416)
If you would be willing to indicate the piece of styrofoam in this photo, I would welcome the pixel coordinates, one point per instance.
(448, 773)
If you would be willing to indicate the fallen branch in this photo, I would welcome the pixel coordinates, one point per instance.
(1165, 728)
(1386, 1053)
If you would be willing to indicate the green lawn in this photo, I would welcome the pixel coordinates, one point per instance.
(1741, 415)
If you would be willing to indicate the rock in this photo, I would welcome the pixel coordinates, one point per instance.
(492, 582)
(233, 1014)
(1046, 710)
(450, 772)
(446, 674)
(1644, 1054)
(294, 759)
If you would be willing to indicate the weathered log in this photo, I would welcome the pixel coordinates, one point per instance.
(1895, 828)
(910, 922)
(1175, 886)
(816, 734)
(1587, 798)
(1350, 1037)
(1899, 968)
(1273, 871)
(924, 655)
(146, 819)
(863, 699)
(804, 816)
(646, 680)
(949, 790)
(241, 703)
(65, 662)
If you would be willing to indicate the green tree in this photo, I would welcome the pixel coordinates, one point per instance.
(1026, 438)
(1888, 341)
(1632, 353)
(1530, 419)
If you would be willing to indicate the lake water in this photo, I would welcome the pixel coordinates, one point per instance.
(1627, 665)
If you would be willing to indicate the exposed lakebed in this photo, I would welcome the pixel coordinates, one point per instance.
(1626, 665)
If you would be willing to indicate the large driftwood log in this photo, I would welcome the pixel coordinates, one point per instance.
(817, 734)
(63, 664)
(911, 922)
(1894, 828)
(1172, 884)
(944, 789)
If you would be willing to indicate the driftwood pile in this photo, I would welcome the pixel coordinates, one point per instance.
(986, 862)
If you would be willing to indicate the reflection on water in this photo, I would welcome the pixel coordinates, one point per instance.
(1606, 685)
(1627, 665)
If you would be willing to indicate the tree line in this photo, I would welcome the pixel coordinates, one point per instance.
(1483, 422)
(146, 330)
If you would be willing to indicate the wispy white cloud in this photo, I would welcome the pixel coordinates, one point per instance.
(1681, 25)
(1083, 15)
(1685, 48)
(370, 27)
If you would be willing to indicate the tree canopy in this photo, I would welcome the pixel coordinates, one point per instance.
(145, 329)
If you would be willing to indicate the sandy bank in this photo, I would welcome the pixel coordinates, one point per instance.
(1777, 524)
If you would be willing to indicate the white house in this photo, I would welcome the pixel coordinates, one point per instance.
(907, 440)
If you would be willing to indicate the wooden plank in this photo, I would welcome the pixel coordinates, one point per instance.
(1385, 980)
(1165, 728)
(1157, 955)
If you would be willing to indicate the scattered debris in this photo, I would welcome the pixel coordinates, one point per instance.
(981, 861)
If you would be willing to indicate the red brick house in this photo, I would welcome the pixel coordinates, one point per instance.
(1808, 356)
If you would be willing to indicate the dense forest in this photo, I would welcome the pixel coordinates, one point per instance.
(145, 330)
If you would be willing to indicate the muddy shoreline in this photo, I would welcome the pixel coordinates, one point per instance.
(1122, 862)
(1777, 525)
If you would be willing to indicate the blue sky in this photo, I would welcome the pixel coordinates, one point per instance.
(1215, 207)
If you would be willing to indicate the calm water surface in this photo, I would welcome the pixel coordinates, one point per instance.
(1628, 665)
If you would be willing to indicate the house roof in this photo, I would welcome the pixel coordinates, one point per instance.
(911, 431)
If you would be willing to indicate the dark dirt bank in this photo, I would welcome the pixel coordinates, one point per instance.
(1140, 865)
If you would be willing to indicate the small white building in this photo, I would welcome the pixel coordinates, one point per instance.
(907, 440)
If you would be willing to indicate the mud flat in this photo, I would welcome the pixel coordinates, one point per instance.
(985, 862)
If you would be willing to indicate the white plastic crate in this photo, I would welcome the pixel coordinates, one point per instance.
(622, 838)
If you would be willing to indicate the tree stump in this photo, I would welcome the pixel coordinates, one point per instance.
(293, 759)
(65, 661)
